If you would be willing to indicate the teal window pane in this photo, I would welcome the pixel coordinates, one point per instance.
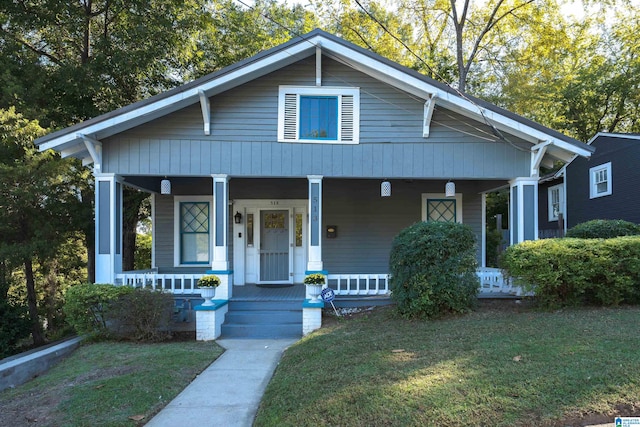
(319, 117)
(194, 233)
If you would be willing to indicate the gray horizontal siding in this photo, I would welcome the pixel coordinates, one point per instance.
(244, 127)
(366, 222)
(163, 236)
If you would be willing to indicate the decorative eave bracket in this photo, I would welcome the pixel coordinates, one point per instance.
(428, 113)
(537, 153)
(95, 151)
(206, 111)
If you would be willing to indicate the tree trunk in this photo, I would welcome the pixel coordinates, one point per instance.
(36, 327)
(132, 201)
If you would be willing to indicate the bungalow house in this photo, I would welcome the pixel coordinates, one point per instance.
(308, 157)
(604, 186)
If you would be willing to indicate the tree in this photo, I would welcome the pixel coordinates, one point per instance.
(37, 204)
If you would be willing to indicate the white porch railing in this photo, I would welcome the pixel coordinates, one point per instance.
(493, 282)
(170, 282)
(359, 284)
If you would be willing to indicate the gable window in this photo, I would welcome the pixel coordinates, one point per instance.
(600, 180)
(437, 207)
(555, 201)
(318, 114)
(192, 231)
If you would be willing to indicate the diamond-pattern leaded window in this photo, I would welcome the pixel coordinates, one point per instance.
(443, 210)
(194, 233)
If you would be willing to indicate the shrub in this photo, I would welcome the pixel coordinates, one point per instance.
(433, 269)
(87, 305)
(14, 327)
(569, 272)
(143, 315)
(604, 229)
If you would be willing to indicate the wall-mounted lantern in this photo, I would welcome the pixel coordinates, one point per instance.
(237, 218)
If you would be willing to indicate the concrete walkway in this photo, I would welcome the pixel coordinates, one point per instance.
(229, 391)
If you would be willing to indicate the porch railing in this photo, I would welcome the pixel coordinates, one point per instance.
(359, 284)
(170, 282)
(491, 282)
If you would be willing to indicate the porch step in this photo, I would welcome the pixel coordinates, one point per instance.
(263, 319)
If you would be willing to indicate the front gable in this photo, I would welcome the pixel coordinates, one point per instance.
(228, 122)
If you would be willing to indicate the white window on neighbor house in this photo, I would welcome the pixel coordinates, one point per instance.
(600, 180)
(438, 207)
(555, 201)
(192, 231)
(318, 114)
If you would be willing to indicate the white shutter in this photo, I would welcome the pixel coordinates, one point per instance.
(346, 118)
(290, 116)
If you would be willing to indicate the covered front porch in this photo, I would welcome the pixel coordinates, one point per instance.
(276, 231)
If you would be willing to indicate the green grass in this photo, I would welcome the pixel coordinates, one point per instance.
(489, 368)
(103, 384)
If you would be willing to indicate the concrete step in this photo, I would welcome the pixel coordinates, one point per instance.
(263, 319)
(262, 331)
(267, 305)
(257, 317)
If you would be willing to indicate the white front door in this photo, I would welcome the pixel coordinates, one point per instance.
(274, 246)
(270, 244)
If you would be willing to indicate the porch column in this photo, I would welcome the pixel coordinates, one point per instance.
(314, 261)
(523, 203)
(220, 259)
(108, 222)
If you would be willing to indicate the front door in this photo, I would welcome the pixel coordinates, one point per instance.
(274, 246)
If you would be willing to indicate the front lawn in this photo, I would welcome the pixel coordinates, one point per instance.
(495, 367)
(107, 384)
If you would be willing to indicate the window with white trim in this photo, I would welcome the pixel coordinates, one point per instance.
(192, 230)
(318, 114)
(438, 207)
(555, 197)
(600, 180)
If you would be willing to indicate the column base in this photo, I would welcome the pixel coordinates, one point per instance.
(311, 316)
(209, 320)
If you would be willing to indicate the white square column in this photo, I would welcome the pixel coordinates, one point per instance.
(523, 209)
(314, 260)
(108, 223)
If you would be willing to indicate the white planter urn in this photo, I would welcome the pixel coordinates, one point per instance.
(314, 292)
(207, 294)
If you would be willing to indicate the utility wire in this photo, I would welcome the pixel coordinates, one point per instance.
(495, 131)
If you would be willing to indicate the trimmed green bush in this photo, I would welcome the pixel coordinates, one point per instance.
(433, 269)
(570, 272)
(143, 315)
(86, 306)
(122, 312)
(604, 229)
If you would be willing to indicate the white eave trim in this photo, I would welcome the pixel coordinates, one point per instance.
(331, 48)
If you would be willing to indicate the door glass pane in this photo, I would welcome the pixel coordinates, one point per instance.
(250, 230)
(298, 230)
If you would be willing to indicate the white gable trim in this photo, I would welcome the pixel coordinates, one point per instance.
(150, 110)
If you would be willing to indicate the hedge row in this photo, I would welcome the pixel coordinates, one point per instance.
(433, 269)
(568, 272)
(122, 312)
